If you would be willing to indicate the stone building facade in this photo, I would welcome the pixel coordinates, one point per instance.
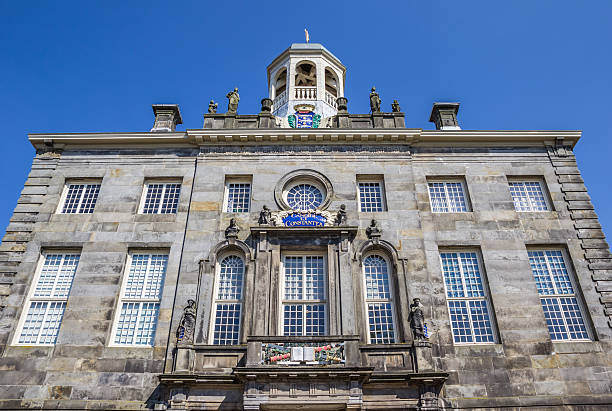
(272, 261)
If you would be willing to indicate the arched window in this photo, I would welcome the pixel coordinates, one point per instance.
(331, 82)
(305, 74)
(228, 301)
(379, 300)
(281, 82)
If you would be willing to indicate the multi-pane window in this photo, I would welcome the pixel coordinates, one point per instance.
(447, 197)
(528, 196)
(228, 301)
(370, 196)
(161, 198)
(80, 198)
(304, 197)
(238, 197)
(379, 300)
(467, 301)
(140, 298)
(304, 302)
(47, 299)
(559, 302)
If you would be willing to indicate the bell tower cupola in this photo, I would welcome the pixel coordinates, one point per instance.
(306, 74)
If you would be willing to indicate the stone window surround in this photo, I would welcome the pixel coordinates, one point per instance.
(237, 179)
(450, 179)
(25, 307)
(372, 178)
(303, 176)
(158, 180)
(543, 185)
(79, 180)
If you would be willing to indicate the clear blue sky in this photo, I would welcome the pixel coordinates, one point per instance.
(86, 66)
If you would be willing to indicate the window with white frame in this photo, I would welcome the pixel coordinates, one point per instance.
(304, 304)
(80, 197)
(371, 195)
(448, 196)
(139, 301)
(379, 300)
(42, 317)
(528, 195)
(557, 295)
(160, 198)
(237, 196)
(228, 301)
(471, 321)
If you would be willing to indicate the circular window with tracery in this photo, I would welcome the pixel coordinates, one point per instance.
(303, 190)
(304, 197)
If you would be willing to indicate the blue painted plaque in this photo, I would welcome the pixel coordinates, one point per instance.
(304, 220)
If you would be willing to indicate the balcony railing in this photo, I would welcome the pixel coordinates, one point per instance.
(306, 93)
(330, 99)
(280, 100)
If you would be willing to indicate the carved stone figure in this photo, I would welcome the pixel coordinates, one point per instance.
(186, 327)
(374, 101)
(373, 231)
(212, 107)
(395, 107)
(234, 98)
(232, 230)
(341, 216)
(417, 319)
(264, 216)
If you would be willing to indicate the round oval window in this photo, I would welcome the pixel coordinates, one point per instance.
(304, 197)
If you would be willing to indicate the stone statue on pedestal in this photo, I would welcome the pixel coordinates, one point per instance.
(234, 98)
(374, 101)
(186, 327)
(373, 231)
(212, 107)
(395, 107)
(417, 319)
(264, 216)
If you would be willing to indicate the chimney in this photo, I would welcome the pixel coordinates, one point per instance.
(444, 115)
(167, 116)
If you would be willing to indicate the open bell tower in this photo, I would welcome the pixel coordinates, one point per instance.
(306, 74)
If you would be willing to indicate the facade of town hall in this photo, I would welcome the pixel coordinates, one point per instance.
(305, 257)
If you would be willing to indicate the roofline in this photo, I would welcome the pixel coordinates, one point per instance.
(330, 136)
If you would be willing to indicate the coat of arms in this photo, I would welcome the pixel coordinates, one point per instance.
(304, 117)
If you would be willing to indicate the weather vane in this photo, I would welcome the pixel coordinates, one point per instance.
(307, 36)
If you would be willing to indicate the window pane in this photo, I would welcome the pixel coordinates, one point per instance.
(537, 259)
(528, 196)
(554, 319)
(447, 197)
(90, 196)
(153, 198)
(315, 278)
(370, 197)
(437, 194)
(380, 320)
(452, 275)
(315, 319)
(304, 197)
(42, 322)
(171, 198)
(81, 198)
(147, 321)
(456, 198)
(483, 332)
(238, 197)
(293, 278)
(471, 275)
(377, 278)
(227, 324)
(230, 278)
(460, 321)
(293, 319)
(573, 317)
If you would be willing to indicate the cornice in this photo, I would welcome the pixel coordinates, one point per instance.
(326, 136)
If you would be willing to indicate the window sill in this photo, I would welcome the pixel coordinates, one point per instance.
(155, 218)
(574, 347)
(481, 348)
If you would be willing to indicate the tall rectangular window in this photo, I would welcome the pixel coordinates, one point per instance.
(304, 303)
(466, 297)
(160, 198)
(237, 195)
(139, 301)
(228, 301)
(47, 299)
(561, 308)
(80, 198)
(528, 195)
(379, 300)
(447, 197)
(371, 195)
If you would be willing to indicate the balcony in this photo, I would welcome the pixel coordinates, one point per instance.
(305, 93)
(331, 100)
